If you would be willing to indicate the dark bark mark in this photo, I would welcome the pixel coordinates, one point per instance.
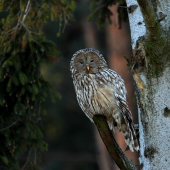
(149, 152)
(132, 8)
(139, 23)
(161, 16)
(166, 112)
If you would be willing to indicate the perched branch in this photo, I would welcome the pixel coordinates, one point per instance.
(113, 148)
(151, 21)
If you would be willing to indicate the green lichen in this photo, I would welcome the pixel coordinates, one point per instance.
(154, 60)
(157, 56)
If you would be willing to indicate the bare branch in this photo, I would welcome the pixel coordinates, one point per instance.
(27, 159)
(27, 9)
(9, 126)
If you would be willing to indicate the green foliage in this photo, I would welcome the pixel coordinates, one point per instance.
(154, 61)
(100, 10)
(23, 90)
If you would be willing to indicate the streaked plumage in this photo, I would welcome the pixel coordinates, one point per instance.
(100, 90)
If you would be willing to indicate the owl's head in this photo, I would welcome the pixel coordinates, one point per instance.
(88, 61)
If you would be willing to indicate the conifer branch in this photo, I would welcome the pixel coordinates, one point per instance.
(28, 158)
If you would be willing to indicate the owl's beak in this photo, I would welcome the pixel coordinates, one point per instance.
(88, 68)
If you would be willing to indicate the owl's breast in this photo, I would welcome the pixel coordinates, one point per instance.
(93, 97)
(86, 92)
(104, 96)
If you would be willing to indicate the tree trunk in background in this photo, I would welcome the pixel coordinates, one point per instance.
(103, 158)
(150, 42)
(119, 45)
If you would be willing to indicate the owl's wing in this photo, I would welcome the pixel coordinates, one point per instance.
(123, 105)
(127, 126)
(114, 80)
(81, 94)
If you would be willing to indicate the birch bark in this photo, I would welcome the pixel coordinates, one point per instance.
(151, 72)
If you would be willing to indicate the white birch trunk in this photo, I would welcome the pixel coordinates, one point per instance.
(153, 93)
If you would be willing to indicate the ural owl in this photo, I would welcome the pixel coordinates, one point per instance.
(100, 90)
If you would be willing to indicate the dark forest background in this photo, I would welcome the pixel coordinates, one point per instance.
(73, 141)
(68, 132)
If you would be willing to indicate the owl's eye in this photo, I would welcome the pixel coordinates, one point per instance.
(91, 61)
(81, 62)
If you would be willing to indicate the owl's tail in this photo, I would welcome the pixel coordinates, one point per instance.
(129, 134)
(125, 125)
(124, 122)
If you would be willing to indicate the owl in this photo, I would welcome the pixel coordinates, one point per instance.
(100, 90)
